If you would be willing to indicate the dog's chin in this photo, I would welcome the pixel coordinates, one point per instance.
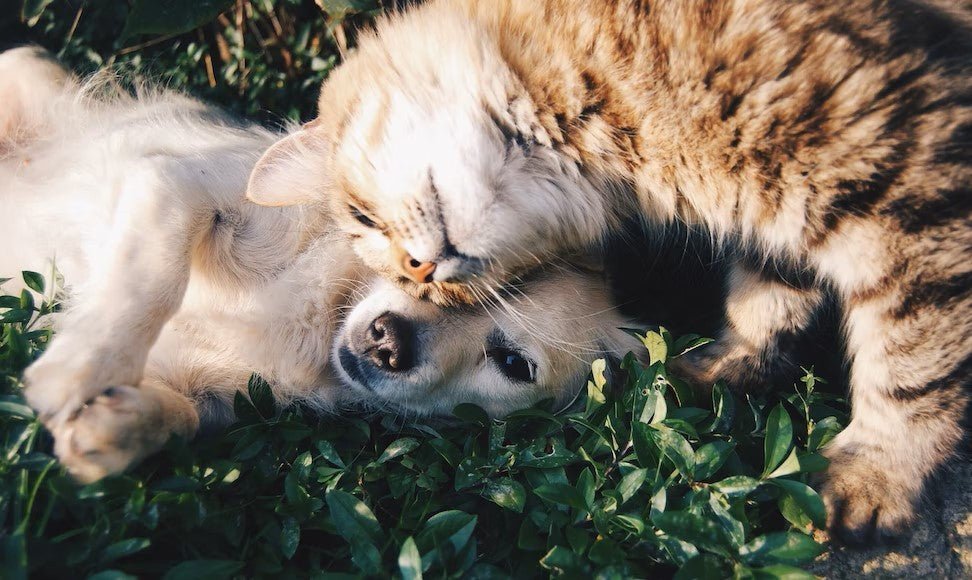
(349, 371)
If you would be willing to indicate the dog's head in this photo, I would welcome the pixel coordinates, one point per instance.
(535, 342)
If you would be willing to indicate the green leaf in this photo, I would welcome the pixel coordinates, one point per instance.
(657, 347)
(397, 448)
(507, 493)
(537, 455)
(32, 10)
(823, 432)
(13, 548)
(703, 567)
(13, 407)
(471, 413)
(805, 497)
(124, 548)
(736, 486)
(812, 462)
(409, 560)
(15, 315)
(660, 411)
(341, 9)
(687, 343)
(780, 548)
(34, 281)
(797, 462)
(9, 301)
(789, 466)
(356, 523)
(561, 493)
(694, 529)
(597, 373)
(734, 528)
(631, 483)
(261, 396)
(26, 301)
(451, 528)
(112, 575)
(644, 444)
(710, 458)
(289, 537)
(793, 513)
(779, 439)
(171, 16)
(781, 572)
(209, 569)
(676, 448)
(562, 560)
(724, 407)
(683, 392)
(328, 452)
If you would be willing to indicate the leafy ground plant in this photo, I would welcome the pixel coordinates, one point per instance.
(639, 478)
(264, 59)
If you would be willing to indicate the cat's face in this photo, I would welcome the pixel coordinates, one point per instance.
(446, 186)
(539, 342)
(442, 203)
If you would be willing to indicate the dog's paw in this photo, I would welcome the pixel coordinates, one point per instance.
(71, 373)
(109, 433)
(867, 502)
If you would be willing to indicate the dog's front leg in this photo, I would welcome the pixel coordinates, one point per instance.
(137, 281)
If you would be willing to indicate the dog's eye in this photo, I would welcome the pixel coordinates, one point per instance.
(362, 218)
(513, 364)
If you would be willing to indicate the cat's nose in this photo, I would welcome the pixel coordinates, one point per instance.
(389, 343)
(417, 271)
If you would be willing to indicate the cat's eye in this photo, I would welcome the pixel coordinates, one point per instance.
(362, 218)
(513, 364)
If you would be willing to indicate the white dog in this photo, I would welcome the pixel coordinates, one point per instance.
(178, 289)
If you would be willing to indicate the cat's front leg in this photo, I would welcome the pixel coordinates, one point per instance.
(764, 315)
(910, 380)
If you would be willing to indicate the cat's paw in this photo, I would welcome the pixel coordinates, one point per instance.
(867, 502)
(742, 369)
(110, 432)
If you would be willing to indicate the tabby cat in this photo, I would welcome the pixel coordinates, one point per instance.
(466, 142)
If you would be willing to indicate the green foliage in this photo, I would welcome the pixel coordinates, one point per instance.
(639, 479)
(260, 58)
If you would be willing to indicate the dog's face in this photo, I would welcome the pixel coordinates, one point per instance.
(536, 343)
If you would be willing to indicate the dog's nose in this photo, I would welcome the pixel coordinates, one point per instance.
(416, 271)
(389, 343)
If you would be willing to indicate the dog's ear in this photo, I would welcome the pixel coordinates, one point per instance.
(294, 170)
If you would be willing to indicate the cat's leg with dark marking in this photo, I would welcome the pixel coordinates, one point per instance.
(764, 313)
(908, 336)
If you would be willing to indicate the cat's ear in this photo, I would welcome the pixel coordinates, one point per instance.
(294, 170)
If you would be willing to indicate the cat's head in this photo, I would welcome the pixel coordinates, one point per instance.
(433, 162)
(535, 342)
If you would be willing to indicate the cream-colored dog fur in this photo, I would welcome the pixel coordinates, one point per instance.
(178, 289)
